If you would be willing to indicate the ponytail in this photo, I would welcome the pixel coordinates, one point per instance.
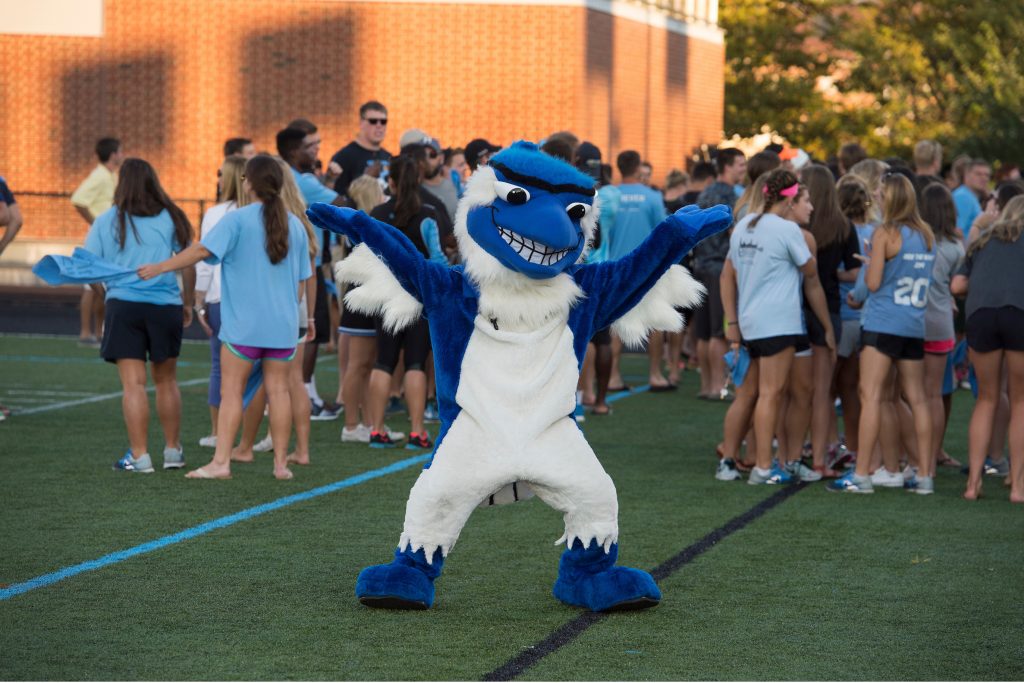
(266, 178)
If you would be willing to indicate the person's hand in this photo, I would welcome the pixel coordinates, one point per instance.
(310, 331)
(150, 271)
(986, 217)
(333, 169)
(201, 317)
(186, 318)
(830, 341)
(732, 333)
(853, 302)
(866, 260)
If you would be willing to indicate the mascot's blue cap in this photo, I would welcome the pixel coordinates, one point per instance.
(523, 162)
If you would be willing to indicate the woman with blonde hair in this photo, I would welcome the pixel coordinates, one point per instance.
(357, 337)
(898, 274)
(871, 171)
(993, 279)
(231, 189)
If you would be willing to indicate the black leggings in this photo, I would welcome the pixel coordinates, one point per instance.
(415, 340)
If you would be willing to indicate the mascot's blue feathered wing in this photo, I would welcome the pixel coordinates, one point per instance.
(509, 331)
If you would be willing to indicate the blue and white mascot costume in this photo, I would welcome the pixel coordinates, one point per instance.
(509, 330)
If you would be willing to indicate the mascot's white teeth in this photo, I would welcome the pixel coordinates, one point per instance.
(534, 252)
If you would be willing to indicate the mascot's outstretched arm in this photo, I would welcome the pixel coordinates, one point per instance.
(641, 291)
(401, 283)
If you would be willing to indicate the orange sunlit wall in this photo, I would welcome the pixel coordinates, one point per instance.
(174, 78)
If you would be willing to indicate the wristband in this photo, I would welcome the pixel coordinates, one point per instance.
(731, 322)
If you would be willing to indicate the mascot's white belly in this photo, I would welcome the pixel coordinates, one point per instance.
(516, 385)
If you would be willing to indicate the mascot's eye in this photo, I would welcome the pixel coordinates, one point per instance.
(513, 194)
(577, 210)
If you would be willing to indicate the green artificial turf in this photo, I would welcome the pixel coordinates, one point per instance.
(823, 586)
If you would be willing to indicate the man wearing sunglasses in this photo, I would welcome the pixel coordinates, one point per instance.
(365, 154)
(435, 182)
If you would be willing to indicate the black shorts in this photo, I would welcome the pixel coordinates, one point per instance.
(602, 337)
(414, 340)
(992, 329)
(893, 345)
(357, 324)
(709, 317)
(321, 311)
(769, 346)
(141, 331)
(815, 331)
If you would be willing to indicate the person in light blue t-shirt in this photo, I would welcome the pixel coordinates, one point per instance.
(898, 275)
(264, 257)
(968, 206)
(144, 319)
(638, 209)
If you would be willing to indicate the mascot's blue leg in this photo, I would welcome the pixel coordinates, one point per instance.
(406, 583)
(588, 577)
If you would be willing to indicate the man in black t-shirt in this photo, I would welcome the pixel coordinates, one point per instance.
(364, 155)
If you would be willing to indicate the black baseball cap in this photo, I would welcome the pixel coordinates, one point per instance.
(588, 159)
(477, 148)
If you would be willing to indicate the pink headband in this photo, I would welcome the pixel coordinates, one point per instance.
(790, 191)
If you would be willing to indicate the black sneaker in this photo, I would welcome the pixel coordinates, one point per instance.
(394, 406)
(381, 440)
(323, 412)
(417, 441)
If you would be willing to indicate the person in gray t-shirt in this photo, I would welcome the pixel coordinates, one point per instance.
(993, 278)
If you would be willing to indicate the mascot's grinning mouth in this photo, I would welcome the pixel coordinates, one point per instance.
(534, 252)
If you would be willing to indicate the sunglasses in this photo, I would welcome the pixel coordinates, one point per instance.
(377, 122)
(432, 153)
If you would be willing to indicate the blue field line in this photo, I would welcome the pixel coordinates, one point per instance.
(192, 532)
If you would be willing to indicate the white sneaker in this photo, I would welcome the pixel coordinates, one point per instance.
(727, 470)
(267, 444)
(883, 477)
(909, 472)
(395, 436)
(361, 434)
(208, 441)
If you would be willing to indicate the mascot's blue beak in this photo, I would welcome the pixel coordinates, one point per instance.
(539, 237)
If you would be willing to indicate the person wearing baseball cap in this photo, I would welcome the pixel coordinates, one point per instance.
(588, 159)
(478, 152)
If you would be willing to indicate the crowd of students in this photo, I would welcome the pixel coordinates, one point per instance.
(835, 292)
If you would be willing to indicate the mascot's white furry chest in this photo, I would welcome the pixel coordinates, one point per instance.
(515, 385)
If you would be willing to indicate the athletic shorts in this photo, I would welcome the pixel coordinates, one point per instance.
(357, 324)
(321, 311)
(992, 329)
(255, 353)
(849, 339)
(709, 317)
(602, 337)
(941, 346)
(769, 346)
(141, 331)
(895, 346)
(414, 340)
(816, 333)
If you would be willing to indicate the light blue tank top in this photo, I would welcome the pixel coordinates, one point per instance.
(899, 305)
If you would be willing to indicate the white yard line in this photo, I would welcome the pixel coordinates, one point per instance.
(102, 397)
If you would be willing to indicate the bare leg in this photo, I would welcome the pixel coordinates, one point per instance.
(874, 369)
(704, 365)
(275, 379)
(586, 383)
(234, 373)
(377, 398)
(1000, 422)
(774, 372)
(135, 403)
(798, 411)
(822, 407)
(616, 376)
(655, 350)
(85, 314)
(416, 398)
(737, 418)
(168, 400)
(343, 343)
(911, 373)
(1015, 370)
(717, 347)
(846, 379)
(362, 354)
(934, 369)
(300, 408)
(674, 345)
(251, 420)
(987, 369)
(603, 372)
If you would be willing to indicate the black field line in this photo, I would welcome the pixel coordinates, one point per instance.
(568, 632)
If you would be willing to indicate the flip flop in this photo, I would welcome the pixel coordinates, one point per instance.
(614, 390)
(200, 473)
(602, 413)
(949, 461)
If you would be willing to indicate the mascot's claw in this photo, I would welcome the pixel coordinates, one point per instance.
(698, 224)
(588, 578)
(405, 583)
(339, 219)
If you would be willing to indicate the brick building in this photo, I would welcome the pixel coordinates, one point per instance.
(174, 78)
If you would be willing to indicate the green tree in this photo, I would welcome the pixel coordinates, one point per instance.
(884, 72)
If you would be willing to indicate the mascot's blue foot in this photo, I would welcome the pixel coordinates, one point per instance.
(588, 577)
(406, 583)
